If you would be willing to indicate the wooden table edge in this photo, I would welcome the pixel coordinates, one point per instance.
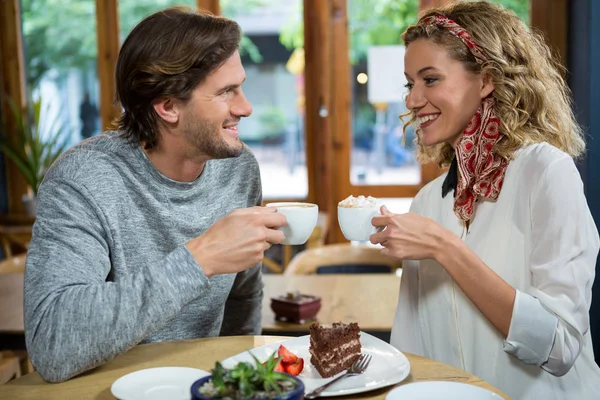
(34, 379)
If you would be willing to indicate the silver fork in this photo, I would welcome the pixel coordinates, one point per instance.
(359, 366)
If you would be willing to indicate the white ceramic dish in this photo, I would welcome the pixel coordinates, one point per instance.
(441, 390)
(171, 383)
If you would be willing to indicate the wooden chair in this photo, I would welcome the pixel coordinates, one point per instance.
(341, 258)
(13, 265)
(15, 233)
(9, 369)
(317, 238)
(13, 363)
(25, 364)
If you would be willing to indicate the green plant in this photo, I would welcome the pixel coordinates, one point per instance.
(247, 381)
(34, 144)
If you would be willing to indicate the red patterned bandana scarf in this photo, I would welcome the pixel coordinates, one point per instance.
(480, 172)
(475, 171)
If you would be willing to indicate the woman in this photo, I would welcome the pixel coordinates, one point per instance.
(500, 251)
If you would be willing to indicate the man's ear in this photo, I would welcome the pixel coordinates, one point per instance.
(166, 110)
(487, 86)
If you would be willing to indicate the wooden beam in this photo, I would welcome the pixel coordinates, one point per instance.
(341, 112)
(107, 30)
(13, 87)
(317, 53)
(550, 17)
(209, 5)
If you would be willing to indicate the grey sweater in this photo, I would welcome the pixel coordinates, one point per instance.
(107, 267)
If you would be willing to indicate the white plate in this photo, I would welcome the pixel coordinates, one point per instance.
(440, 390)
(173, 383)
(388, 365)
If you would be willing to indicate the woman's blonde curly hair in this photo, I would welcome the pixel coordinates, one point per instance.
(531, 96)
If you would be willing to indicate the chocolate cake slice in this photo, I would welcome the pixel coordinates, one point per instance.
(334, 348)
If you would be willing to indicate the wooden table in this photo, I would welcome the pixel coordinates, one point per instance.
(369, 299)
(202, 354)
(11, 303)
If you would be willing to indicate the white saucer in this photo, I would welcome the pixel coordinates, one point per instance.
(442, 390)
(173, 383)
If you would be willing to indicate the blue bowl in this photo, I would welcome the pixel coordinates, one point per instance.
(296, 394)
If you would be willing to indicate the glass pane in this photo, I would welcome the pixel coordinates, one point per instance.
(377, 63)
(275, 87)
(520, 7)
(59, 41)
(133, 11)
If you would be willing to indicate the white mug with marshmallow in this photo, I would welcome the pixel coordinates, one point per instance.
(355, 215)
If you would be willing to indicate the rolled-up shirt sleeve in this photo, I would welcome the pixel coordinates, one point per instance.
(532, 330)
(550, 319)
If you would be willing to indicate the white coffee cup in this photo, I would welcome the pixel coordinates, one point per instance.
(355, 222)
(301, 219)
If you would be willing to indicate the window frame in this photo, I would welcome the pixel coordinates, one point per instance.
(328, 139)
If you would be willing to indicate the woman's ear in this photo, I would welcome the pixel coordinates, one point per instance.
(487, 86)
(166, 110)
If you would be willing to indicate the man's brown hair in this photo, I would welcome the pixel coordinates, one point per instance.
(167, 55)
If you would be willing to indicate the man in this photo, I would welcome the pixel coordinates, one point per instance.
(138, 236)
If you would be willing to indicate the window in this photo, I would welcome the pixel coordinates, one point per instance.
(60, 63)
(380, 155)
(275, 87)
(354, 138)
(131, 12)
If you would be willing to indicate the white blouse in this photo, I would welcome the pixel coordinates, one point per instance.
(539, 236)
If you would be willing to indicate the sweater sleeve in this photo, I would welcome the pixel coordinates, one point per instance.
(75, 317)
(551, 318)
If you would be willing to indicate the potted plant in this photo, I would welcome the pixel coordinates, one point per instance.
(247, 381)
(34, 145)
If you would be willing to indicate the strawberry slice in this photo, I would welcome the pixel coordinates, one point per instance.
(279, 367)
(295, 368)
(287, 357)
